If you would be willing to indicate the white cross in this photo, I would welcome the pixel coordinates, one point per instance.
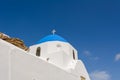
(53, 31)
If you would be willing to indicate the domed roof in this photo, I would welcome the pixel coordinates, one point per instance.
(52, 37)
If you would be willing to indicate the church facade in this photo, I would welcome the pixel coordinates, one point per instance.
(52, 58)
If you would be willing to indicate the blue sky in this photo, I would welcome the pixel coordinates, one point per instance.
(91, 26)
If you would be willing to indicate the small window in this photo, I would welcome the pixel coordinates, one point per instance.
(82, 78)
(73, 54)
(38, 51)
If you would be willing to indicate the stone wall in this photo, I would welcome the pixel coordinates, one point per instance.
(15, 41)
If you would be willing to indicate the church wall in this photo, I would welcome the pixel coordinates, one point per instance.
(56, 59)
(81, 70)
(28, 67)
(4, 61)
(55, 46)
(60, 53)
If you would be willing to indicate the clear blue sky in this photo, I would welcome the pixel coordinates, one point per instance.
(91, 26)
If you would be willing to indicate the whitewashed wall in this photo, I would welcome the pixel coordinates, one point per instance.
(60, 53)
(27, 67)
(4, 61)
(17, 64)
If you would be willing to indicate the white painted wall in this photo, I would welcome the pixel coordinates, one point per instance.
(4, 61)
(79, 69)
(60, 53)
(17, 64)
(27, 67)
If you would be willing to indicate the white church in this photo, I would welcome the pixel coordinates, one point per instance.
(52, 58)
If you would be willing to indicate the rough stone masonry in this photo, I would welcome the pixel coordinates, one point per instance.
(15, 41)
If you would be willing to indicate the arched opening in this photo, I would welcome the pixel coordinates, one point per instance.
(73, 54)
(38, 51)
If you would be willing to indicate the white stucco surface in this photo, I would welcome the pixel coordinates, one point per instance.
(17, 64)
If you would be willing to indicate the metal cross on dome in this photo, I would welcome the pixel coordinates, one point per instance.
(53, 31)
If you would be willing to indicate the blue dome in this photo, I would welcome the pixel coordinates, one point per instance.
(52, 38)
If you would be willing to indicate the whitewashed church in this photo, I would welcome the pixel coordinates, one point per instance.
(52, 58)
